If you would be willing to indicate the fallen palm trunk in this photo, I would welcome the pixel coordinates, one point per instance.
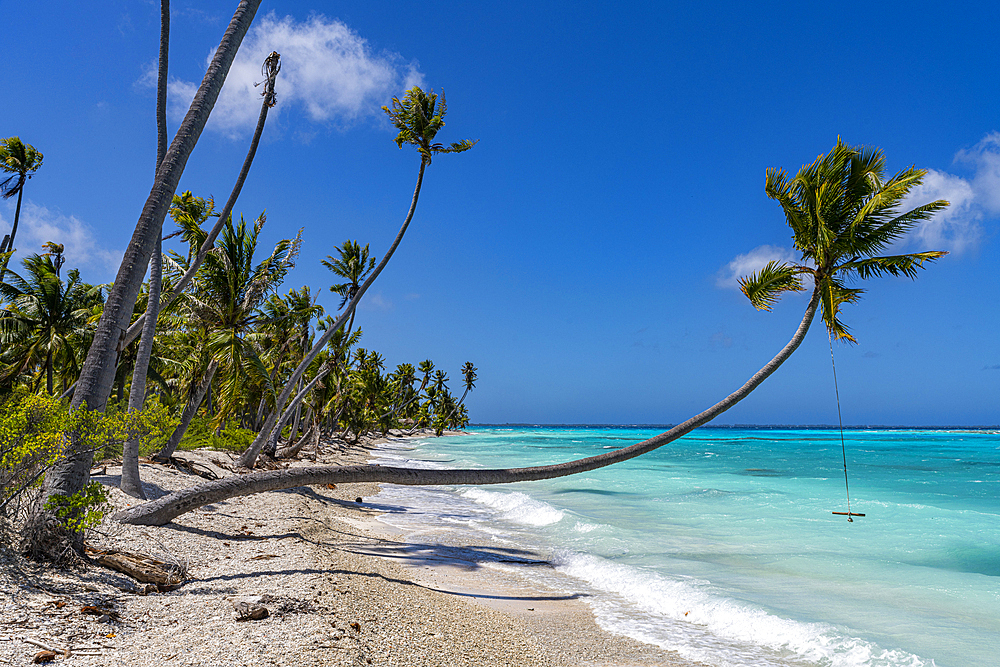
(163, 510)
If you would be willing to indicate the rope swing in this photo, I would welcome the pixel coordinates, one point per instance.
(843, 447)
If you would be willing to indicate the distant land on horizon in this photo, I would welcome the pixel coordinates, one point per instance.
(817, 427)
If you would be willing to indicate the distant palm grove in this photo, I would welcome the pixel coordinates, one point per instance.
(231, 332)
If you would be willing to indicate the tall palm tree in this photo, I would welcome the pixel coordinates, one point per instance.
(69, 475)
(842, 212)
(418, 117)
(130, 482)
(21, 161)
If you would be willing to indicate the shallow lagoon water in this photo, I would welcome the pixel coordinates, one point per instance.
(722, 545)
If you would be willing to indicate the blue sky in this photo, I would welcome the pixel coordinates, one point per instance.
(583, 254)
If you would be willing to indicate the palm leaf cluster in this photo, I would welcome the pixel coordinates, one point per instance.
(843, 213)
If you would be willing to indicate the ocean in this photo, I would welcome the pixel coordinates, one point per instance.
(722, 546)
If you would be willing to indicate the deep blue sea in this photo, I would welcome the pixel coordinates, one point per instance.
(722, 545)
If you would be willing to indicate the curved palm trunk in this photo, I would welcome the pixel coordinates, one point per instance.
(161, 511)
(227, 210)
(272, 441)
(71, 473)
(190, 410)
(130, 483)
(9, 239)
(249, 457)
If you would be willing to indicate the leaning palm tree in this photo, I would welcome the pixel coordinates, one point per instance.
(842, 211)
(21, 161)
(69, 475)
(418, 117)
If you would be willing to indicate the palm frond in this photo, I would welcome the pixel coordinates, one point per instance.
(764, 287)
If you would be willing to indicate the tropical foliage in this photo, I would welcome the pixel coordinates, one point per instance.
(843, 213)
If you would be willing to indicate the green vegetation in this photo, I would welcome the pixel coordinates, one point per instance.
(33, 435)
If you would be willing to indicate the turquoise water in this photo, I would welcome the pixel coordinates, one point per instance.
(722, 545)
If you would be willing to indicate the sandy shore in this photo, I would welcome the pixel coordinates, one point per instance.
(341, 588)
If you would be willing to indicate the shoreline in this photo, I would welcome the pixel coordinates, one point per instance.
(341, 588)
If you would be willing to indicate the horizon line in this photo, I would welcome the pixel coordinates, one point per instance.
(746, 426)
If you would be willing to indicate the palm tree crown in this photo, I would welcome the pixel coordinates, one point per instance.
(19, 159)
(843, 213)
(354, 264)
(419, 117)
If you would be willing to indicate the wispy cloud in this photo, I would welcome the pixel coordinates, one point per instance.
(376, 301)
(743, 265)
(39, 225)
(326, 69)
(975, 200)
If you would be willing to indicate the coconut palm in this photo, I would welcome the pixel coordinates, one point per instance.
(229, 291)
(69, 475)
(842, 212)
(418, 117)
(42, 322)
(353, 265)
(21, 161)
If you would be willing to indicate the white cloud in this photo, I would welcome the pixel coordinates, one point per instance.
(39, 225)
(974, 200)
(984, 157)
(326, 68)
(954, 228)
(751, 262)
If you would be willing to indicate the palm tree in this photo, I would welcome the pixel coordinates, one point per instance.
(353, 265)
(229, 292)
(21, 160)
(69, 475)
(842, 212)
(41, 324)
(419, 118)
(469, 378)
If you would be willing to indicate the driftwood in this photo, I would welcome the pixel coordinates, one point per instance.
(138, 566)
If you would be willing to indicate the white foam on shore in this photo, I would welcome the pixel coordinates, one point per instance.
(686, 616)
(516, 507)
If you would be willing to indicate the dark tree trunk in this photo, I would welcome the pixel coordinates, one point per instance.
(71, 473)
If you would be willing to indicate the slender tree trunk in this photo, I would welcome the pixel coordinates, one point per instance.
(71, 473)
(130, 483)
(190, 410)
(227, 210)
(9, 239)
(272, 443)
(159, 512)
(248, 457)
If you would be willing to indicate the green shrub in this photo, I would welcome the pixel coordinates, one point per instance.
(201, 434)
(34, 433)
(82, 510)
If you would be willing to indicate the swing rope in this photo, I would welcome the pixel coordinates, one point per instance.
(843, 447)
